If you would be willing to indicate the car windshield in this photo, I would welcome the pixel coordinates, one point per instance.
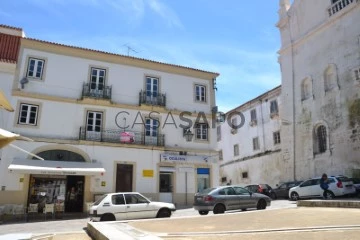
(206, 191)
(97, 202)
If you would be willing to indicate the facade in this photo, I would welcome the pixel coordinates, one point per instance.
(104, 123)
(252, 153)
(320, 66)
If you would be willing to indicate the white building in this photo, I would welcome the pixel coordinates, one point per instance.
(251, 154)
(105, 122)
(320, 66)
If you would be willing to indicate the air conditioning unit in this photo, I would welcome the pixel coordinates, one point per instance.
(233, 131)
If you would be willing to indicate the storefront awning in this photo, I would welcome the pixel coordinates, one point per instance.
(55, 167)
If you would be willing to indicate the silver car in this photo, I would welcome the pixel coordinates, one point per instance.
(227, 198)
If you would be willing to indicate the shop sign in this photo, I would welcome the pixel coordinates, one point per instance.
(103, 183)
(59, 173)
(183, 158)
(148, 173)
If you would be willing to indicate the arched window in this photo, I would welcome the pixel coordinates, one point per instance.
(330, 78)
(320, 145)
(61, 155)
(306, 87)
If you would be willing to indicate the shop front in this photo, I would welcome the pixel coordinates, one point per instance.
(181, 176)
(57, 184)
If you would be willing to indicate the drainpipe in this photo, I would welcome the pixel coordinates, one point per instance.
(293, 96)
(262, 124)
(186, 189)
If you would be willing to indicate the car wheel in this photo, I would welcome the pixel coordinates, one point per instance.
(273, 195)
(164, 213)
(330, 195)
(294, 196)
(219, 208)
(261, 204)
(107, 217)
(203, 212)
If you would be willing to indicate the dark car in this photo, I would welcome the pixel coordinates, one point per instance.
(261, 188)
(282, 190)
(225, 198)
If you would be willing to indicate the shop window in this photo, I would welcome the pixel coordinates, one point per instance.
(203, 178)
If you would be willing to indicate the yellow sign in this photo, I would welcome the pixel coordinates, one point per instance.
(148, 173)
(21, 179)
(103, 183)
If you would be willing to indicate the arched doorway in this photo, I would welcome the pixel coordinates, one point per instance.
(66, 192)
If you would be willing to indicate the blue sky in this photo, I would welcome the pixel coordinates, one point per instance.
(236, 38)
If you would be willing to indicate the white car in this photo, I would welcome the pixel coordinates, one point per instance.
(128, 205)
(338, 186)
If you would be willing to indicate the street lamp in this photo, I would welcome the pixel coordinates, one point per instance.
(188, 134)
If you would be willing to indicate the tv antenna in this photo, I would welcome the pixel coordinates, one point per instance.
(130, 49)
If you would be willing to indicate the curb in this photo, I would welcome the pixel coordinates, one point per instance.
(328, 203)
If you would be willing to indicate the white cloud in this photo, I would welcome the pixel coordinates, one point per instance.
(166, 13)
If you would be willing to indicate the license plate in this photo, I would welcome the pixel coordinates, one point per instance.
(199, 198)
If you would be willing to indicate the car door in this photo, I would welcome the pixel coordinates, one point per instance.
(304, 189)
(281, 191)
(245, 199)
(118, 207)
(232, 200)
(138, 207)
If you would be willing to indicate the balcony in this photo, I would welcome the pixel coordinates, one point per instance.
(96, 91)
(152, 98)
(338, 6)
(121, 137)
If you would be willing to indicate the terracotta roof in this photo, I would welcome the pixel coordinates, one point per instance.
(10, 27)
(9, 48)
(120, 55)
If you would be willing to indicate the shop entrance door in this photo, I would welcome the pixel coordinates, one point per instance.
(74, 203)
(124, 178)
(166, 187)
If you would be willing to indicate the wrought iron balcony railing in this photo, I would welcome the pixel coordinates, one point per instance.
(96, 91)
(119, 136)
(152, 98)
(338, 6)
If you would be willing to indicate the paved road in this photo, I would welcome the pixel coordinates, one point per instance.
(78, 225)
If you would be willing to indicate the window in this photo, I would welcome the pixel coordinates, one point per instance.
(330, 78)
(236, 150)
(201, 131)
(135, 199)
(152, 86)
(220, 155)
(35, 68)
(223, 179)
(274, 108)
(321, 139)
(97, 79)
(306, 88)
(94, 121)
(276, 136)
(253, 116)
(234, 125)
(151, 127)
(200, 93)
(256, 145)
(241, 191)
(118, 199)
(218, 132)
(357, 74)
(28, 114)
(245, 175)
